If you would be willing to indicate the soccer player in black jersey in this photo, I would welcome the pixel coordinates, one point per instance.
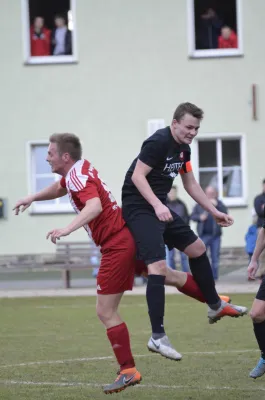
(257, 312)
(149, 179)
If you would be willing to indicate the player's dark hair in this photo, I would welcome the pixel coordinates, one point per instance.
(67, 143)
(187, 108)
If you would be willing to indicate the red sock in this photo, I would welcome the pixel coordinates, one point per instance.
(120, 341)
(191, 289)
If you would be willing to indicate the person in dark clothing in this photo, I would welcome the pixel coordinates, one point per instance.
(208, 230)
(209, 28)
(61, 37)
(259, 203)
(179, 207)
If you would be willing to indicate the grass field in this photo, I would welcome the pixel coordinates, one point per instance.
(56, 349)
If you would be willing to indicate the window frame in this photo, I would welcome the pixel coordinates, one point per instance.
(228, 201)
(36, 208)
(30, 60)
(154, 125)
(212, 53)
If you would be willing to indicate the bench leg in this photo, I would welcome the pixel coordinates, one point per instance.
(66, 278)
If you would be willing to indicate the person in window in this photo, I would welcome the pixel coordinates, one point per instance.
(61, 37)
(227, 39)
(40, 38)
(209, 28)
(208, 230)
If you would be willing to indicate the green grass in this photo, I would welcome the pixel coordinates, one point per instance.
(42, 330)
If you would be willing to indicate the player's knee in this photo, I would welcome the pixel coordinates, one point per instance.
(105, 314)
(257, 316)
(158, 268)
(195, 249)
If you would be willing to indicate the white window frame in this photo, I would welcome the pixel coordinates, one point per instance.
(193, 53)
(36, 207)
(28, 59)
(228, 201)
(153, 125)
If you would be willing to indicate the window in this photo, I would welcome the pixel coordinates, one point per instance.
(40, 176)
(153, 125)
(219, 161)
(214, 28)
(49, 31)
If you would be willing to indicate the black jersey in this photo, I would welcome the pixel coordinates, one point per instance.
(166, 157)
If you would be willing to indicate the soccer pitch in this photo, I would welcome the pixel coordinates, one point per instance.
(55, 348)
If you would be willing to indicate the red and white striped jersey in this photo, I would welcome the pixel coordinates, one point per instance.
(83, 183)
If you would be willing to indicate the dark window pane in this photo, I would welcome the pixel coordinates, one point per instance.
(207, 153)
(231, 153)
(208, 24)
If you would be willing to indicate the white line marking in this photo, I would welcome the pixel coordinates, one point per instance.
(143, 386)
(77, 306)
(51, 362)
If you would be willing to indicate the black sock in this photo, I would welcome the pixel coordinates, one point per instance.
(259, 330)
(202, 272)
(155, 296)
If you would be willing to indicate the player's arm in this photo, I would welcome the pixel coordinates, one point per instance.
(49, 193)
(260, 246)
(141, 170)
(193, 188)
(91, 210)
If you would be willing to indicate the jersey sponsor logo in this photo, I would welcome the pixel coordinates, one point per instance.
(98, 287)
(173, 167)
(169, 158)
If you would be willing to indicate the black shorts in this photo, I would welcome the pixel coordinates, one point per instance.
(151, 235)
(261, 292)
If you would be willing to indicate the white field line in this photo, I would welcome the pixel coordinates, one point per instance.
(143, 386)
(86, 359)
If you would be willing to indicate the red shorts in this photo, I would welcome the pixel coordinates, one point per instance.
(118, 264)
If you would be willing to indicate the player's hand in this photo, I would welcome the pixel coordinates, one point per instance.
(163, 213)
(56, 234)
(23, 203)
(252, 269)
(223, 219)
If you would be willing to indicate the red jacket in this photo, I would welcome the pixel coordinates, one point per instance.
(230, 43)
(40, 44)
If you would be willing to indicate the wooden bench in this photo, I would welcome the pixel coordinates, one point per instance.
(73, 256)
(70, 256)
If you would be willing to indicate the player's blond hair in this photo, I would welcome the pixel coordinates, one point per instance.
(68, 143)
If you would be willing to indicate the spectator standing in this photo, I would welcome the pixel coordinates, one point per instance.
(180, 208)
(259, 203)
(208, 230)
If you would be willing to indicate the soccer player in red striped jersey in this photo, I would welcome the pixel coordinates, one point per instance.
(98, 212)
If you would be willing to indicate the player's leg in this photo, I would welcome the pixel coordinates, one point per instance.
(116, 274)
(147, 232)
(179, 235)
(257, 315)
(186, 284)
